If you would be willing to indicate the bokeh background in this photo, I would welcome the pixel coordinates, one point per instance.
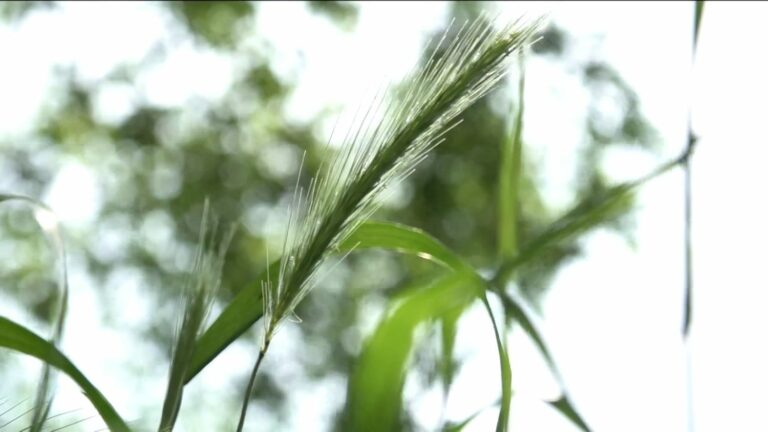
(124, 117)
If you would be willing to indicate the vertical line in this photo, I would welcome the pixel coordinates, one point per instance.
(698, 12)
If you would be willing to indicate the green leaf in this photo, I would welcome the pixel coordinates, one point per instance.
(586, 215)
(244, 310)
(19, 338)
(416, 242)
(403, 239)
(458, 427)
(375, 387)
(514, 307)
(697, 21)
(564, 406)
(506, 372)
(509, 178)
(247, 306)
(49, 224)
(448, 329)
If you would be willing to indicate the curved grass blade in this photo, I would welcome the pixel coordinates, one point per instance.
(585, 216)
(416, 242)
(49, 224)
(514, 307)
(403, 239)
(18, 338)
(247, 306)
(458, 427)
(375, 387)
(245, 309)
(448, 330)
(564, 406)
(506, 371)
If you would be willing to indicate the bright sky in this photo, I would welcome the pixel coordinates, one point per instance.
(612, 318)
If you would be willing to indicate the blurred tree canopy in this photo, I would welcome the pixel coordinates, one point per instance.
(156, 165)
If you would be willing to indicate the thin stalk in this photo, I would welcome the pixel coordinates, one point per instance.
(49, 224)
(251, 383)
(698, 13)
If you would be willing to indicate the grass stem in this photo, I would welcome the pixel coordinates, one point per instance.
(251, 383)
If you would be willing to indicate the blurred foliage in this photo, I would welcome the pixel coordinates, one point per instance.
(341, 12)
(219, 23)
(155, 167)
(16, 10)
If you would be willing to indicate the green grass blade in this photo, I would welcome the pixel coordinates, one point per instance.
(375, 387)
(18, 338)
(416, 242)
(458, 427)
(49, 224)
(448, 330)
(509, 177)
(687, 302)
(238, 316)
(404, 239)
(697, 21)
(413, 241)
(563, 405)
(516, 309)
(245, 309)
(502, 424)
(247, 306)
(586, 215)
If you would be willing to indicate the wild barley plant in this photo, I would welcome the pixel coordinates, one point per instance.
(384, 147)
(394, 135)
(200, 291)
